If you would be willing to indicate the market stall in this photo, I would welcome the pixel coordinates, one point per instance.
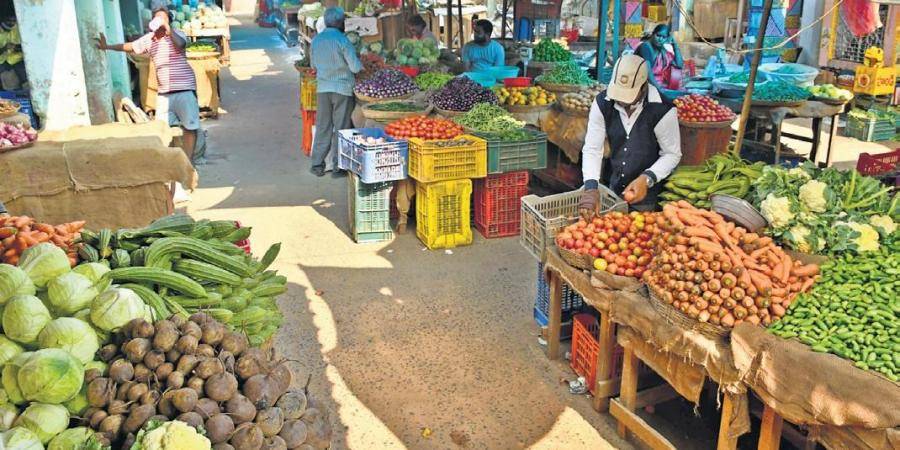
(205, 65)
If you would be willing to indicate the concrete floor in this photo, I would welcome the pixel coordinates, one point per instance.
(409, 348)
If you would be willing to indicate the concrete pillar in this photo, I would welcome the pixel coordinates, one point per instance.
(118, 65)
(49, 40)
(96, 66)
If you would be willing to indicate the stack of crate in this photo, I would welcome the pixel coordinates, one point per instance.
(498, 197)
(375, 161)
(443, 170)
(307, 109)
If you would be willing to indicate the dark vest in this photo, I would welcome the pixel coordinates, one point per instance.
(631, 153)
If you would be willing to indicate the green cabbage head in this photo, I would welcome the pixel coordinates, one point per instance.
(70, 292)
(51, 376)
(44, 262)
(8, 414)
(45, 421)
(93, 271)
(72, 335)
(117, 306)
(8, 349)
(10, 377)
(24, 316)
(20, 438)
(79, 403)
(14, 281)
(71, 439)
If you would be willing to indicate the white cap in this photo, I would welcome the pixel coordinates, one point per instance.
(628, 77)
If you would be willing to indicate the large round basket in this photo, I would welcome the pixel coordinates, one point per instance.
(16, 147)
(561, 88)
(542, 65)
(526, 109)
(576, 260)
(447, 113)
(367, 99)
(721, 124)
(831, 101)
(682, 320)
(572, 111)
(382, 116)
(202, 55)
(13, 110)
(788, 104)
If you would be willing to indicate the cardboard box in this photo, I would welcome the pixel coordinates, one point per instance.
(710, 17)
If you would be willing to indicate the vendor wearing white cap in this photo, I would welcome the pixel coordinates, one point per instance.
(640, 130)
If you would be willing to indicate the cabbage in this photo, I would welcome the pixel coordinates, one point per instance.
(51, 375)
(10, 377)
(70, 292)
(100, 365)
(44, 420)
(8, 414)
(20, 438)
(44, 262)
(85, 316)
(72, 335)
(8, 349)
(93, 271)
(79, 402)
(117, 306)
(14, 281)
(71, 439)
(24, 317)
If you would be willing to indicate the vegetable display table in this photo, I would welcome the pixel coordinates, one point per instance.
(841, 406)
(222, 37)
(808, 110)
(206, 72)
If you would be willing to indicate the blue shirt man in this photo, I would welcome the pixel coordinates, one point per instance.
(335, 61)
(483, 52)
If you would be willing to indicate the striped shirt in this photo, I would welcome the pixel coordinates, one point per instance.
(335, 61)
(173, 73)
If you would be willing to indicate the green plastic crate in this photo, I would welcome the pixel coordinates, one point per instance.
(369, 210)
(510, 156)
(871, 129)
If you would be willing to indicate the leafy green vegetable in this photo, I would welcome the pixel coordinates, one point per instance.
(14, 281)
(45, 421)
(51, 376)
(396, 107)
(432, 80)
(567, 73)
(488, 117)
(72, 335)
(24, 317)
(44, 262)
(71, 292)
(548, 51)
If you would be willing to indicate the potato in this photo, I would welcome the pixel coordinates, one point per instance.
(293, 432)
(219, 428)
(234, 343)
(96, 418)
(177, 320)
(319, 435)
(191, 329)
(247, 436)
(112, 425)
(175, 380)
(191, 418)
(136, 348)
(207, 408)
(163, 371)
(122, 392)
(121, 370)
(221, 387)
(222, 446)
(140, 328)
(252, 362)
(154, 358)
(142, 373)
(187, 344)
(270, 420)
(91, 374)
(108, 352)
(165, 405)
(173, 356)
(150, 397)
(184, 399)
(200, 318)
(227, 359)
(138, 417)
(187, 363)
(293, 404)
(205, 350)
(240, 409)
(196, 383)
(274, 443)
(212, 333)
(117, 407)
(165, 337)
(209, 367)
(101, 391)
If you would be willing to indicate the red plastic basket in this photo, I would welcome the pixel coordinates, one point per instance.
(242, 244)
(498, 203)
(586, 345)
(307, 121)
(409, 70)
(517, 82)
(570, 34)
(881, 164)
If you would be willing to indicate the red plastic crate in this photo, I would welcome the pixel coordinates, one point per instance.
(307, 121)
(498, 203)
(242, 244)
(586, 345)
(881, 164)
(517, 82)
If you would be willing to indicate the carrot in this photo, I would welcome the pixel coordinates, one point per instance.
(786, 270)
(691, 219)
(735, 259)
(59, 241)
(709, 247)
(8, 242)
(669, 212)
(40, 236)
(44, 228)
(807, 284)
(709, 215)
(10, 253)
(700, 232)
(756, 254)
(722, 231)
(764, 241)
(680, 249)
(763, 283)
(22, 221)
(6, 232)
(21, 244)
(805, 271)
(730, 226)
(795, 287)
(29, 239)
(684, 204)
(778, 292)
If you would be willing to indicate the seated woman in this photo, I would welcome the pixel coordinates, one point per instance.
(663, 55)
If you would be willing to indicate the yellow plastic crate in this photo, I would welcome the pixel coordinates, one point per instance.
(443, 214)
(634, 30)
(308, 93)
(464, 156)
(657, 13)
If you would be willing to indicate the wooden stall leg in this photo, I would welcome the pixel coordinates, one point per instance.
(605, 359)
(770, 430)
(724, 442)
(628, 391)
(776, 140)
(831, 133)
(553, 328)
(816, 137)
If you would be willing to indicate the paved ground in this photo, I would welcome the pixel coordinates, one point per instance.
(409, 347)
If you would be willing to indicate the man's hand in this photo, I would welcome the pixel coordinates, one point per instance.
(165, 27)
(636, 190)
(587, 207)
(101, 42)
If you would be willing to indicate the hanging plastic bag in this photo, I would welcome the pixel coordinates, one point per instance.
(861, 16)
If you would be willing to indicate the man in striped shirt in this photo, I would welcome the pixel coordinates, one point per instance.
(336, 63)
(176, 86)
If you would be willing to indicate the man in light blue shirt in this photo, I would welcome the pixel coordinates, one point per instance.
(483, 52)
(335, 61)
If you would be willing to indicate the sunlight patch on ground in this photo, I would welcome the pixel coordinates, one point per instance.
(206, 198)
(252, 62)
(571, 431)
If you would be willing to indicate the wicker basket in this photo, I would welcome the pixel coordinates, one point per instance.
(772, 104)
(617, 282)
(447, 113)
(831, 101)
(526, 109)
(722, 124)
(16, 147)
(367, 99)
(561, 88)
(202, 55)
(680, 319)
(542, 65)
(382, 116)
(571, 111)
(16, 106)
(577, 260)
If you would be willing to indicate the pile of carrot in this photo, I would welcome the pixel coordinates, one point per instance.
(717, 272)
(18, 233)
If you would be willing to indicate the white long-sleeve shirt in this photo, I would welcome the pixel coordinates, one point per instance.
(667, 135)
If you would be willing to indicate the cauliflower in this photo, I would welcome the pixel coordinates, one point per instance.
(174, 435)
(798, 172)
(884, 222)
(812, 194)
(777, 210)
(868, 237)
(800, 236)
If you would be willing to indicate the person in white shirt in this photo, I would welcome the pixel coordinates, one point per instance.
(638, 128)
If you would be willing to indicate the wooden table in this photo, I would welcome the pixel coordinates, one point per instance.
(809, 110)
(222, 37)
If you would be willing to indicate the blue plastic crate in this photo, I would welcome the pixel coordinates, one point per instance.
(23, 97)
(374, 163)
(572, 302)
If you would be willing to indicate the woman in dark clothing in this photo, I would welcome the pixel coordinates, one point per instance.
(662, 53)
